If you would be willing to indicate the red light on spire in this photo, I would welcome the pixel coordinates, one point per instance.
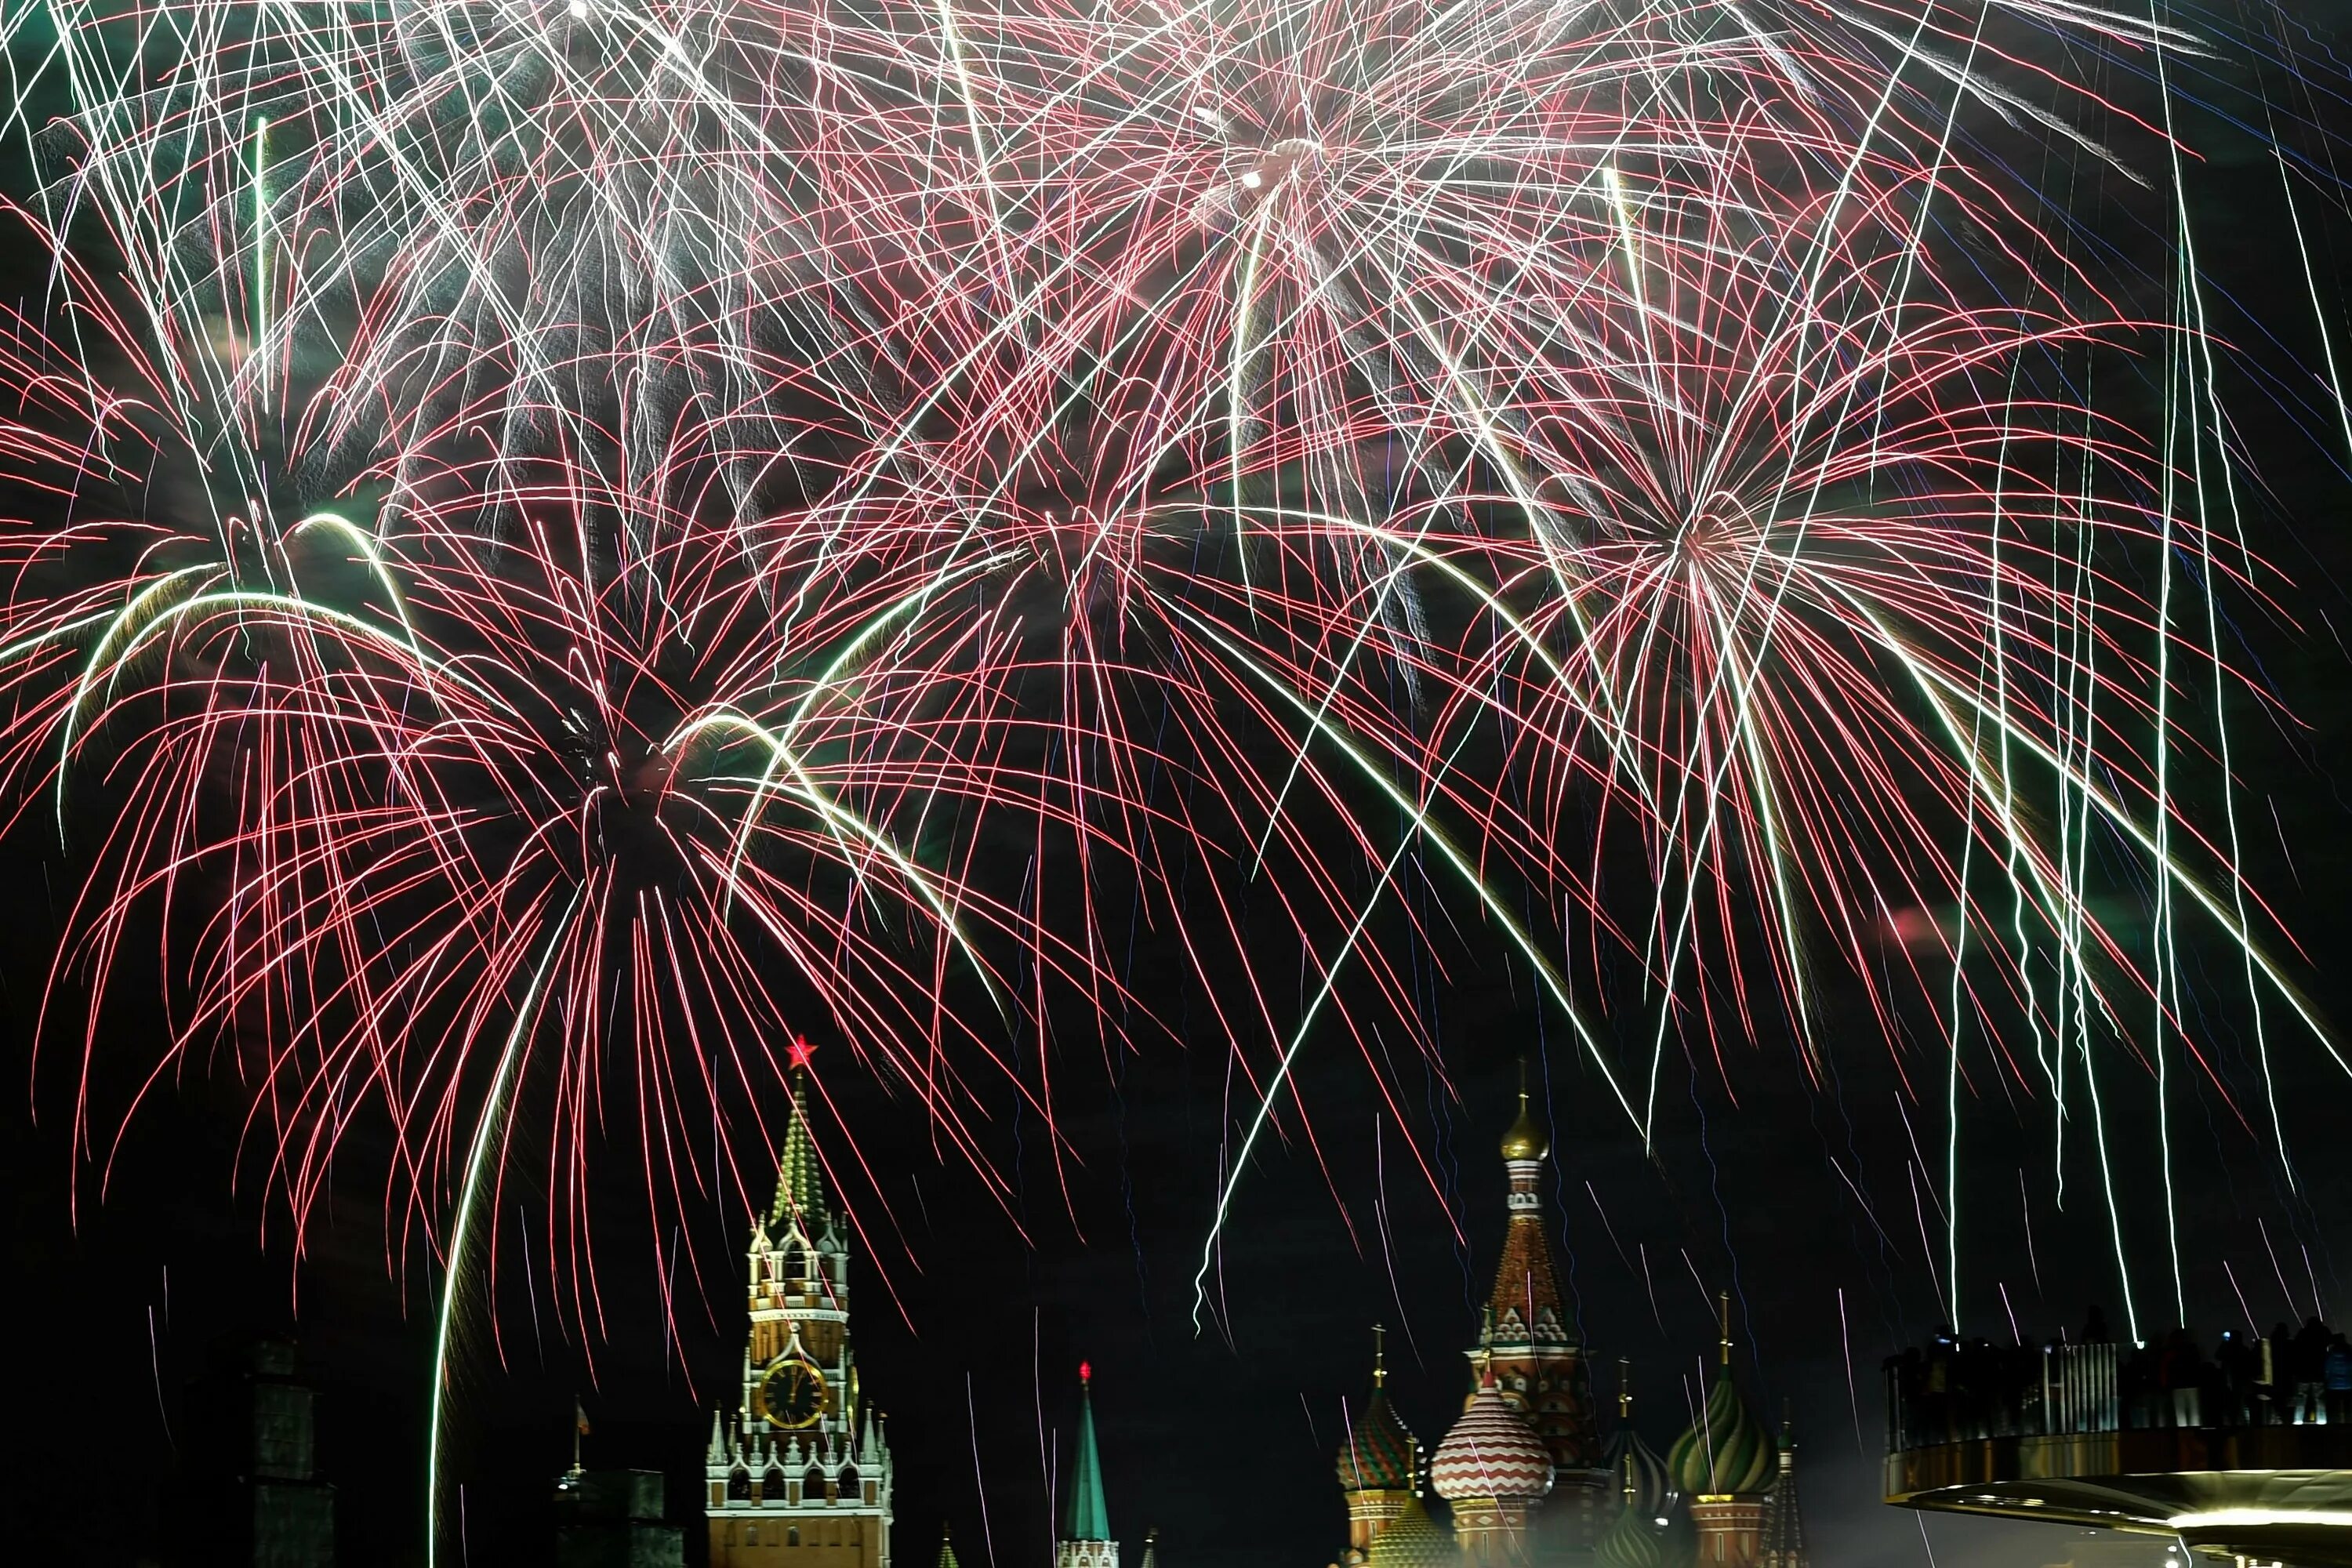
(800, 1051)
(1086, 1372)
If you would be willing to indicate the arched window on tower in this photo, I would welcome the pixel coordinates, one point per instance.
(849, 1482)
(812, 1484)
(739, 1484)
(771, 1485)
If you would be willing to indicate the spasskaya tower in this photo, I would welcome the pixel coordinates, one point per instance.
(799, 1473)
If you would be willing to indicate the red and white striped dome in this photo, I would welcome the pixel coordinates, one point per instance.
(1491, 1453)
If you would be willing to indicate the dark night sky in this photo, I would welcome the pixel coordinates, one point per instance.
(969, 1325)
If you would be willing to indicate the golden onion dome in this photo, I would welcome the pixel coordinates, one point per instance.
(1413, 1540)
(1527, 1140)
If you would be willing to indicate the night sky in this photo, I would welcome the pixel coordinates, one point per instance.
(1219, 1424)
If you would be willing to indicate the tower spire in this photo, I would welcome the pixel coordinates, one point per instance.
(1783, 1535)
(800, 1179)
(1526, 1340)
(1085, 1527)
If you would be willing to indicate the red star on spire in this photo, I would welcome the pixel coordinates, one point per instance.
(1086, 1372)
(800, 1051)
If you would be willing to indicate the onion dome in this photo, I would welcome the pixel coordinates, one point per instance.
(1381, 1454)
(1727, 1451)
(1636, 1474)
(1636, 1541)
(1527, 1140)
(1413, 1540)
(1492, 1452)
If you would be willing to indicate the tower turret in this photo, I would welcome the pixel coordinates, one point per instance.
(1784, 1525)
(1379, 1465)
(1723, 1465)
(1636, 1474)
(1086, 1521)
(1495, 1472)
(1525, 1344)
(1637, 1536)
(800, 1473)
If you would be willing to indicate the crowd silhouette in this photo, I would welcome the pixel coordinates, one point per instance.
(1953, 1390)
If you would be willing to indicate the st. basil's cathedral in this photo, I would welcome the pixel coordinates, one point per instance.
(1525, 1475)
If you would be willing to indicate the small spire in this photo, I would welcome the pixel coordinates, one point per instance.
(947, 1549)
(1723, 1306)
(1624, 1388)
(1379, 1356)
(1151, 1547)
(1089, 1513)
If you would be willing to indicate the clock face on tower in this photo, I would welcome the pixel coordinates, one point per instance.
(791, 1393)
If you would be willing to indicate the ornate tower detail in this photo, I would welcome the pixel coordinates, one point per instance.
(1723, 1464)
(1086, 1523)
(1784, 1525)
(799, 1475)
(1534, 1358)
(1379, 1466)
(1495, 1472)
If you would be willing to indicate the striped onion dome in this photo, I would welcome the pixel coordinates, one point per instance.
(1634, 1468)
(1413, 1540)
(1492, 1452)
(1726, 1452)
(1636, 1540)
(1380, 1454)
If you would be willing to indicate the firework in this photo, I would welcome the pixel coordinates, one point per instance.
(546, 518)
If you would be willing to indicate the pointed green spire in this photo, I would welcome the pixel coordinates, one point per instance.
(800, 1182)
(947, 1549)
(1088, 1517)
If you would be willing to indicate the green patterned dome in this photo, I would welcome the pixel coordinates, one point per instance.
(1636, 1540)
(1379, 1454)
(1726, 1452)
(1413, 1540)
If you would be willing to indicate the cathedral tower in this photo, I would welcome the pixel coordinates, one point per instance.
(1085, 1522)
(1380, 1464)
(1723, 1465)
(1784, 1524)
(1495, 1472)
(799, 1473)
(1537, 1364)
